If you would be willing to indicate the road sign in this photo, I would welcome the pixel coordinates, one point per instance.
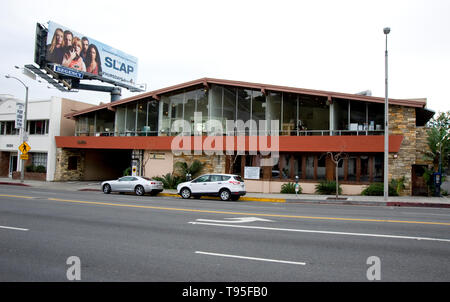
(24, 156)
(24, 148)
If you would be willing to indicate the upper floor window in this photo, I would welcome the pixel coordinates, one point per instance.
(8, 128)
(38, 127)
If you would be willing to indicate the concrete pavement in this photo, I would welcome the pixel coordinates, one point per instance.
(415, 201)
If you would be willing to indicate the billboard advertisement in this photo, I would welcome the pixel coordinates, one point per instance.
(77, 54)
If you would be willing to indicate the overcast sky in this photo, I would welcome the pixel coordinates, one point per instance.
(326, 45)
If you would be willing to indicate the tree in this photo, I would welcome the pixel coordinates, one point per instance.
(439, 140)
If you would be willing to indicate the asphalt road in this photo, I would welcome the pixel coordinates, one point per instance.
(120, 237)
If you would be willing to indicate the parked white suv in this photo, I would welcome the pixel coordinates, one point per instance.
(226, 186)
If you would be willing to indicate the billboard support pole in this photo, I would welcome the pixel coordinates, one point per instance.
(116, 92)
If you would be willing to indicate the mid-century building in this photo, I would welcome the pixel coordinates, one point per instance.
(45, 121)
(296, 127)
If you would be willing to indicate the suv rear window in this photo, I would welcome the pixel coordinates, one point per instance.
(224, 178)
(238, 178)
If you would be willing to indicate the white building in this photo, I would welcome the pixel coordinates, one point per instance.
(45, 120)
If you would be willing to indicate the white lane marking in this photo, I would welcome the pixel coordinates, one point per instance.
(13, 228)
(323, 232)
(250, 258)
(236, 220)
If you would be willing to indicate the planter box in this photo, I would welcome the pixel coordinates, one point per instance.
(30, 175)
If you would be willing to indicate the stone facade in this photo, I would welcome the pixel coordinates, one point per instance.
(62, 172)
(212, 164)
(402, 121)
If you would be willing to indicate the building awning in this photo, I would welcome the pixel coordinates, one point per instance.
(350, 144)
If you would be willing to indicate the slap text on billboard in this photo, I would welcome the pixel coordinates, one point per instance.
(71, 49)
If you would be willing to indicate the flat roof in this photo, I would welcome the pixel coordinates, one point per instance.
(417, 103)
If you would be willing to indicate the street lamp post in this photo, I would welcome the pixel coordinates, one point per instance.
(24, 125)
(386, 31)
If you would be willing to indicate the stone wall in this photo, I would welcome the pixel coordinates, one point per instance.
(62, 172)
(212, 163)
(402, 121)
(422, 146)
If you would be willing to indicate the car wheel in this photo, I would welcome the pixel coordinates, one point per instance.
(139, 190)
(225, 195)
(106, 189)
(185, 193)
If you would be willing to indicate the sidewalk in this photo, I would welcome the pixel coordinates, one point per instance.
(416, 201)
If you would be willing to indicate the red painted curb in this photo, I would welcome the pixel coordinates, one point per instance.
(416, 204)
(14, 184)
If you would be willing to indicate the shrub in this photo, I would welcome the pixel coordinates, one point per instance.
(40, 169)
(127, 171)
(37, 169)
(327, 188)
(289, 188)
(377, 189)
(170, 181)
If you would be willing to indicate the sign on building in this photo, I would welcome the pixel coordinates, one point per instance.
(20, 111)
(252, 172)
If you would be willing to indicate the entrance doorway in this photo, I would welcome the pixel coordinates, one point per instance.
(12, 164)
(419, 186)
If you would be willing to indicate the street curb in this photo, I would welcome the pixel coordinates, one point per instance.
(14, 184)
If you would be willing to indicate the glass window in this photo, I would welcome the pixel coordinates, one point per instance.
(289, 114)
(152, 118)
(130, 120)
(104, 122)
(258, 109)
(313, 114)
(225, 178)
(358, 119)
(229, 106)
(364, 175)
(378, 168)
(176, 109)
(341, 115)
(310, 167)
(215, 178)
(274, 110)
(164, 115)
(202, 103)
(38, 127)
(39, 159)
(321, 166)
(376, 116)
(141, 117)
(216, 103)
(120, 120)
(298, 166)
(203, 178)
(244, 105)
(189, 106)
(351, 175)
(72, 163)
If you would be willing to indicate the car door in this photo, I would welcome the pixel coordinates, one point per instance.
(199, 184)
(214, 184)
(122, 184)
(132, 183)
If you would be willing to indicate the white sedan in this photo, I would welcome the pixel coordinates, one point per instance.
(137, 184)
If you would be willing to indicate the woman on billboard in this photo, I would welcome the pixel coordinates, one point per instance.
(93, 61)
(72, 58)
(55, 51)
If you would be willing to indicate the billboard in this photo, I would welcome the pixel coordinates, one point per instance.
(79, 55)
